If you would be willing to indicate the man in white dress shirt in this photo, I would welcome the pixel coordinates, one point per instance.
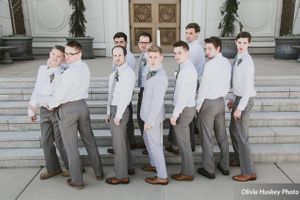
(215, 85)
(144, 43)
(121, 85)
(184, 109)
(73, 114)
(120, 39)
(153, 114)
(241, 103)
(49, 76)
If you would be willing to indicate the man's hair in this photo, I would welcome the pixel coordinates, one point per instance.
(194, 26)
(155, 49)
(60, 48)
(244, 34)
(123, 48)
(120, 35)
(215, 41)
(145, 34)
(74, 44)
(182, 44)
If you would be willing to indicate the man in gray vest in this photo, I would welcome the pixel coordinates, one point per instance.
(184, 109)
(153, 115)
(73, 114)
(214, 87)
(121, 85)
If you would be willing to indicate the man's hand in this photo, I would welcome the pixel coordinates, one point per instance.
(117, 121)
(33, 118)
(173, 120)
(107, 119)
(147, 127)
(230, 104)
(237, 114)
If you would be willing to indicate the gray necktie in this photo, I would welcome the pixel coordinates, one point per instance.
(112, 89)
(232, 67)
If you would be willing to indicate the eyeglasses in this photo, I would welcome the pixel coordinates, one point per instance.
(71, 54)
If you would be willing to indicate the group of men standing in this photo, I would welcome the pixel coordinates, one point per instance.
(205, 111)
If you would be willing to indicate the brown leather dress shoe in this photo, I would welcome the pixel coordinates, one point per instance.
(157, 181)
(47, 175)
(234, 163)
(65, 173)
(116, 181)
(148, 168)
(181, 177)
(76, 186)
(244, 178)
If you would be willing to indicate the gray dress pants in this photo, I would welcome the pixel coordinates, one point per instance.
(212, 121)
(182, 133)
(239, 132)
(50, 134)
(74, 117)
(122, 156)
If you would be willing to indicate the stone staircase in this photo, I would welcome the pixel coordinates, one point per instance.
(274, 124)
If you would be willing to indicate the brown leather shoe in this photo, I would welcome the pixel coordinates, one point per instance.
(234, 163)
(148, 168)
(244, 178)
(181, 177)
(47, 175)
(76, 186)
(65, 173)
(157, 181)
(172, 150)
(116, 181)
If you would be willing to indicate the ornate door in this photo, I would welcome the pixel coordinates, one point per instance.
(153, 15)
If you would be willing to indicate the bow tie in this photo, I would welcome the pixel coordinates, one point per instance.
(150, 74)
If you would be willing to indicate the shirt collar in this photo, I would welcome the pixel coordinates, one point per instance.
(240, 55)
(156, 68)
(120, 68)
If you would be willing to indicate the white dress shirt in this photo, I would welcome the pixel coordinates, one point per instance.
(243, 79)
(130, 60)
(185, 88)
(123, 91)
(197, 56)
(215, 81)
(73, 86)
(47, 79)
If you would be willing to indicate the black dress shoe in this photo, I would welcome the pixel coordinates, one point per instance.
(205, 173)
(111, 151)
(172, 150)
(222, 170)
(131, 171)
(145, 152)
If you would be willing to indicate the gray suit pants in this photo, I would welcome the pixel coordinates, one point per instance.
(122, 156)
(182, 133)
(239, 132)
(50, 134)
(212, 121)
(74, 117)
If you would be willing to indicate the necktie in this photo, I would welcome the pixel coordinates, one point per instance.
(112, 89)
(232, 67)
(142, 66)
(178, 70)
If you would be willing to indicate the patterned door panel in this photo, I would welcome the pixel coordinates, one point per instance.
(150, 15)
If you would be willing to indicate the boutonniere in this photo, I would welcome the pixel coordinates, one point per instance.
(51, 77)
(150, 74)
(239, 61)
(63, 69)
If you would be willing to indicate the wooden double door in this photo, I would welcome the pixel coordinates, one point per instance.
(151, 15)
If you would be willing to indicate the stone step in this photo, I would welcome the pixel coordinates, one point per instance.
(260, 153)
(99, 106)
(275, 92)
(103, 81)
(257, 119)
(257, 135)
